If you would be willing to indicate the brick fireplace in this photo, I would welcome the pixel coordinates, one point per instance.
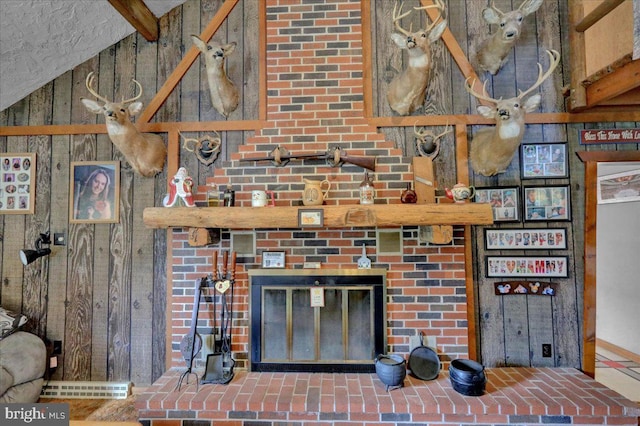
(315, 102)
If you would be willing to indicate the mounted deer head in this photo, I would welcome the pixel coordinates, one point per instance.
(407, 90)
(145, 152)
(492, 149)
(493, 52)
(224, 94)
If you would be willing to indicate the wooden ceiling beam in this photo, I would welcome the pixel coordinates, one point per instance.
(138, 14)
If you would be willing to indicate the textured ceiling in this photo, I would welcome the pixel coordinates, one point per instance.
(42, 39)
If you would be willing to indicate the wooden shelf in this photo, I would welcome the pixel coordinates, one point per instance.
(342, 216)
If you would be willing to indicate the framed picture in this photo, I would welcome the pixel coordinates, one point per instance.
(505, 202)
(17, 183)
(527, 266)
(95, 192)
(536, 288)
(525, 239)
(546, 203)
(619, 188)
(273, 259)
(310, 218)
(545, 160)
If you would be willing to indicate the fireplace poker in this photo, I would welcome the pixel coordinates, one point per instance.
(219, 368)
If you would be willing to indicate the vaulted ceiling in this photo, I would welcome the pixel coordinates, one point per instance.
(42, 39)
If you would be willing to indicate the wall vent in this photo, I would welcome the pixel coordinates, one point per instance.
(86, 390)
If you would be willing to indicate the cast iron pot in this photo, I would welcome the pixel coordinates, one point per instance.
(391, 370)
(467, 377)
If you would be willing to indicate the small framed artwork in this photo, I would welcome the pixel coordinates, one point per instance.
(17, 183)
(273, 259)
(94, 192)
(527, 266)
(546, 203)
(619, 188)
(544, 160)
(504, 202)
(310, 218)
(525, 239)
(536, 288)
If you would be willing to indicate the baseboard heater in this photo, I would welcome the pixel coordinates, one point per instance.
(86, 390)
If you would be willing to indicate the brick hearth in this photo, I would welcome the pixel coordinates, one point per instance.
(513, 396)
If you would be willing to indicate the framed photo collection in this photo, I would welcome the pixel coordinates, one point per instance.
(17, 183)
(504, 202)
(544, 160)
(525, 239)
(546, 203)
(527, 266)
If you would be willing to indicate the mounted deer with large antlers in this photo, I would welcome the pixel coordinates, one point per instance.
(224, 94)
(146, 152)
(407, 90)
(493, 52)
(492, 149)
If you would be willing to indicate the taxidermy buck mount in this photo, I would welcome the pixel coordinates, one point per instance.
(145, 152)
(224, 94)
(493, 52)
(407, 90)
(492, 149)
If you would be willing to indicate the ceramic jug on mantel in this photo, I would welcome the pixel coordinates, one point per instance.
(314, 195)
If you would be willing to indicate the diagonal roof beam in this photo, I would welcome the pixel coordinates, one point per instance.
(187, 60)
(138, 14)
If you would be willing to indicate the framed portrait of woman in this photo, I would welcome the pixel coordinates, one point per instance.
(95, 192)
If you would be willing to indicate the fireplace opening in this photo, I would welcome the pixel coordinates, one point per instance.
(317, 320)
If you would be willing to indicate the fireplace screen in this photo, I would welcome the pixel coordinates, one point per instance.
(329, 320)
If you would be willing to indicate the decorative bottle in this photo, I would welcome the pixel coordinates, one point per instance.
(229, 197)
(408, 196)
(367, 191)
(213, 195)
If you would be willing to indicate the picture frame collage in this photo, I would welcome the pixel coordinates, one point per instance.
(529, 203)
(17, 183)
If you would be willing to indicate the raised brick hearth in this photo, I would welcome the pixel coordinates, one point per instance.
(513, 396)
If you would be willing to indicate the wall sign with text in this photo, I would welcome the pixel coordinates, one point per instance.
(594, 136)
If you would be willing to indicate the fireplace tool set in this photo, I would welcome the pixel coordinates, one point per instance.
(219, 365)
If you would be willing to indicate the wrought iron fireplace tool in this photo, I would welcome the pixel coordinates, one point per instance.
(220, 364)
(192, 342)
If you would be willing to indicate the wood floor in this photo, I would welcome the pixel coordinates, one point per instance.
(619, 373)
(98, 409)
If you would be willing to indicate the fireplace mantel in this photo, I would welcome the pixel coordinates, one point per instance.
(335, 216)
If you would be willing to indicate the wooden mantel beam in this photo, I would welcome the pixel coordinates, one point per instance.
(334, 216)
(139, 16)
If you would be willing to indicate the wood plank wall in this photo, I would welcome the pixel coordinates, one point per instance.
(104, 293)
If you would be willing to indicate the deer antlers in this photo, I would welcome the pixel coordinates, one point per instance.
(89, 83)
(554, 60)
(427, 142)
(439, 4)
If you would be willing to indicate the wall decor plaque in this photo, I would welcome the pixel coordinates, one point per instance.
(537, 288)
(527, 266)
(17, 183)
(525, 239)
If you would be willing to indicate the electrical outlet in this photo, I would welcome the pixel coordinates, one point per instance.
(546, 350)
(57, 347)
